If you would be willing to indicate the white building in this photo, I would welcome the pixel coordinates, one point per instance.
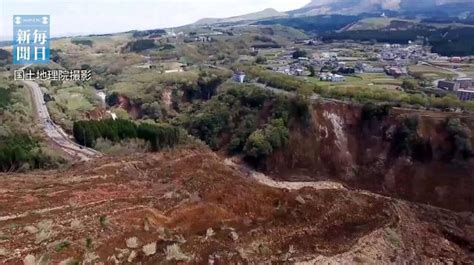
(239, 77)
(331, 77)
(338, 78)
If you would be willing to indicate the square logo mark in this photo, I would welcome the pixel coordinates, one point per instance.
(31, 39)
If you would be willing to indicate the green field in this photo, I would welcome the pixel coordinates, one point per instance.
(430, 72)
(362, 80)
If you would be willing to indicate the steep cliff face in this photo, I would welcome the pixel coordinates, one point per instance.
(338, 143)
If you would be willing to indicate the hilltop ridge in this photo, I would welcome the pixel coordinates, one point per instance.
(266, 13)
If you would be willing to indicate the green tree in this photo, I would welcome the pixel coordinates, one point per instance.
(312, 71)
(4, 97)
(257, 145)
(261, 60)
(409, 84)
(460, 136)
(112, 99)
(299, 53)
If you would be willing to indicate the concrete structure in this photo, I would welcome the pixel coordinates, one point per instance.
(395, 71)
(448, 85)
(463, 87)
(458, 84)
(464, 83)
(239, 76)
(338, 78)
(455, 59)
(465, 94)
(303, 59)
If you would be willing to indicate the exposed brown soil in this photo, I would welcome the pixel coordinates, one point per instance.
(336, 144)
(213, 213)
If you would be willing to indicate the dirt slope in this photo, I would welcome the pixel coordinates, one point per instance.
(188, 206)
(337, 144)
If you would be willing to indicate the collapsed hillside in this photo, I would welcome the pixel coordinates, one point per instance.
(188, 206)
(420, 156)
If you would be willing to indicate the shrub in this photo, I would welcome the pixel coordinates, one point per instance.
(4, 97)
(61, 246)
(409, 85)
(371, 111)
(82, 42)
(257, 145)
(299, 53)
(23, 152)
(460, 136)
(206, 85)
(446, 102)
(263, 142)
(261, 60)
(112, 99)
(152, 110)
(140, 45)
(405, 136)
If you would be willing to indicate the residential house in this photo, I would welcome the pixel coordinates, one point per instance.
(455, 59)
(331, 77)
(395, 71)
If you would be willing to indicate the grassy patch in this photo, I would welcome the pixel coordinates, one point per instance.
(364, 80)
(429, 72)
(4, 97)
(61, 246)
(394, 238)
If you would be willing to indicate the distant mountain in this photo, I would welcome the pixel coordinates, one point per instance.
(264, 14)
(355, 7)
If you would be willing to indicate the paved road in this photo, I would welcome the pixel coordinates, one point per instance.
(281, 91)
(53, 131)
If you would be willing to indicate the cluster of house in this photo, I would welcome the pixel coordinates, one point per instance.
(396, 71)
(171, 35)
(361, 68)
(330, 77)
(404, 55)
(289, 66)
(463, 87)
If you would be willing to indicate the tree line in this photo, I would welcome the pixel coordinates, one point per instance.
(20, 152)
(159, 136)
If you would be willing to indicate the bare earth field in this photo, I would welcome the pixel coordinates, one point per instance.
(189, 206)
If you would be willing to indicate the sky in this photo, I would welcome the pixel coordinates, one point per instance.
(78, 17)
